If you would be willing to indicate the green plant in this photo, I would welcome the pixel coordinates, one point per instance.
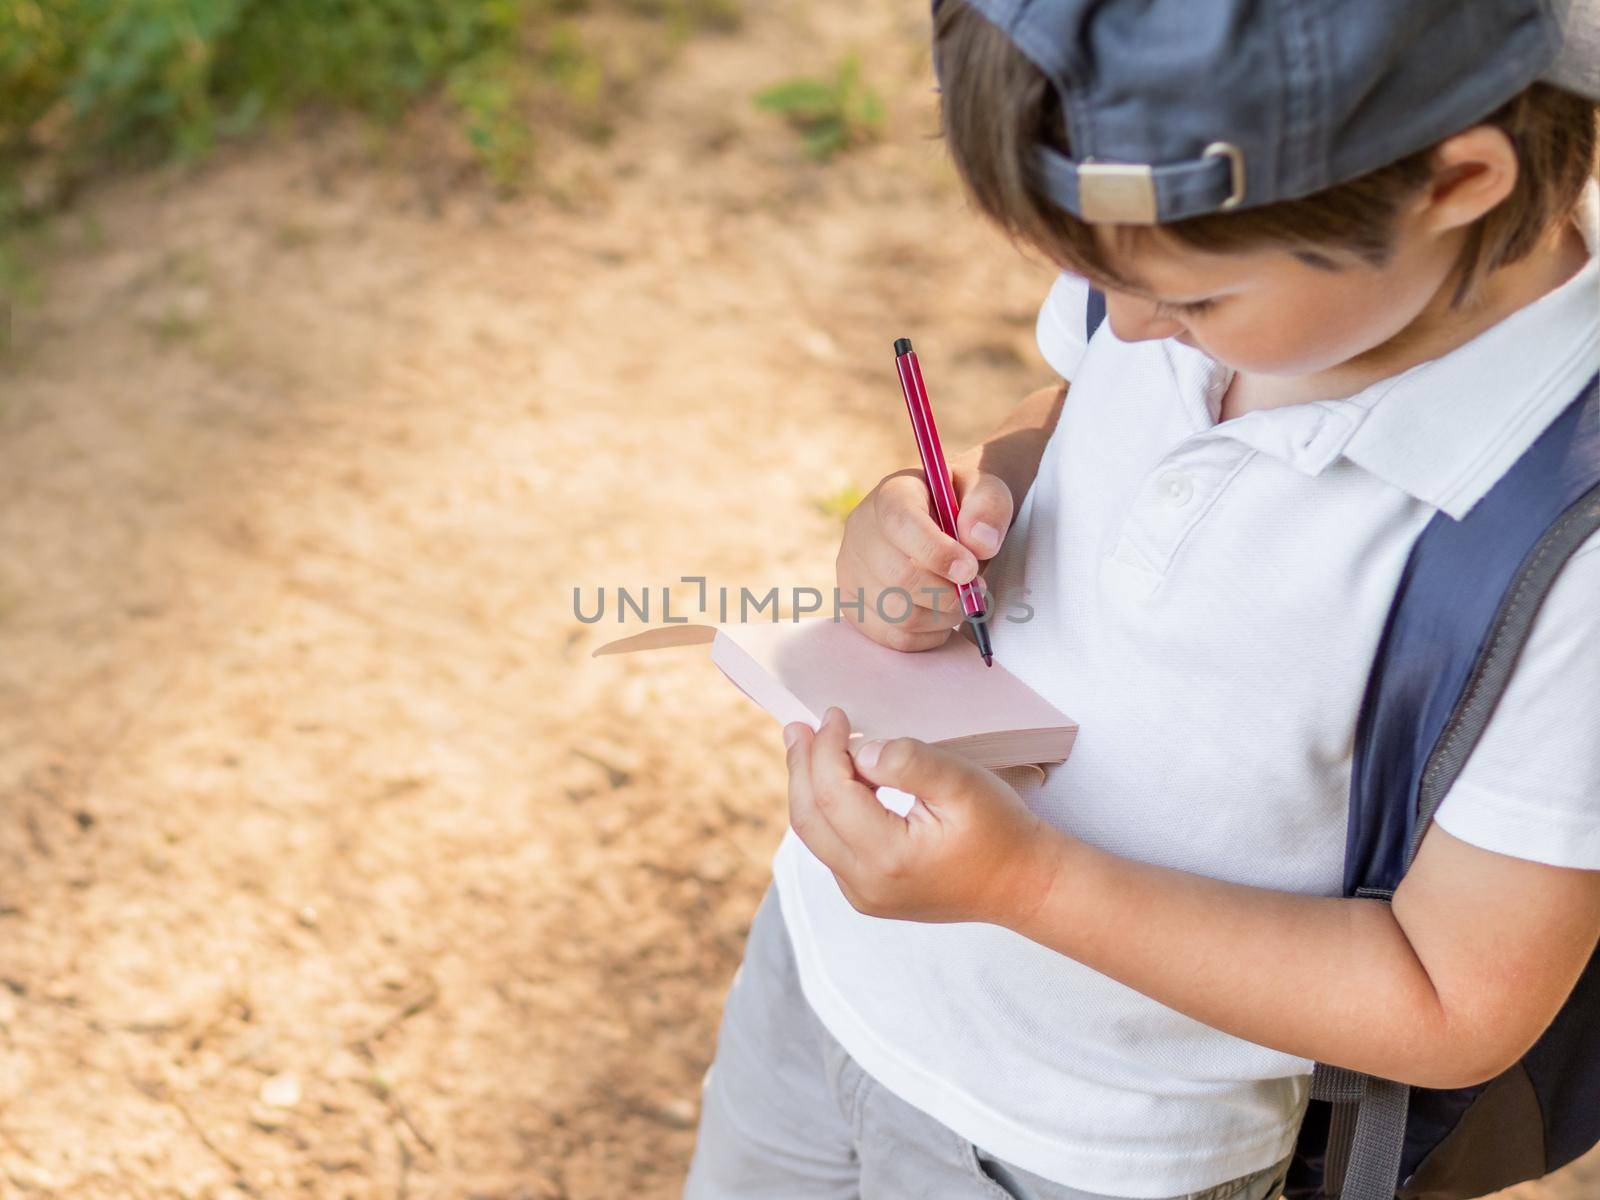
(688, 15)
(841, 503)
(90, 84)
(830, 114)
(85, 83)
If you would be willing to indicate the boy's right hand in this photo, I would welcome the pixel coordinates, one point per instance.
(891, 541)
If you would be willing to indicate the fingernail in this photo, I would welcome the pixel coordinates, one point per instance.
(791, 734)
(867, 754)
(963, 570)
(985, 539)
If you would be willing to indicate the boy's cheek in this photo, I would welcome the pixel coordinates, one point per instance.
(1303, 334)
(1300, 319)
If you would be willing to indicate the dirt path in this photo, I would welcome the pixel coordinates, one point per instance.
(329, 864)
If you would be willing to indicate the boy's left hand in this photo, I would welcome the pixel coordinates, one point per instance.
(969, 849)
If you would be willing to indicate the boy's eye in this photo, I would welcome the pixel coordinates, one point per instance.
(1193, 309)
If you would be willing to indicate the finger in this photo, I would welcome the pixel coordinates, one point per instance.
(986, 512)
(875, 568)
(930, 773)
(933, 601)
(870, 572)
(906, 522)
(849, 805)
(807, 821)
(878, 614)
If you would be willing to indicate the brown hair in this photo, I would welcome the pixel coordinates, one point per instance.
(997, 105)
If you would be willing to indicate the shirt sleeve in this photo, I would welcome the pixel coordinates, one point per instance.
(1061, 331)
(1531, 788)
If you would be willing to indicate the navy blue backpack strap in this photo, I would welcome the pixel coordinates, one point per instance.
(1464, 607)
(1455, 596)
(1094, 313)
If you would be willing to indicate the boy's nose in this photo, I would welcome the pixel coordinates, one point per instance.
(1135, 319)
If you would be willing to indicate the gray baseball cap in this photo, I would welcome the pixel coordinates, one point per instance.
(1175, 108)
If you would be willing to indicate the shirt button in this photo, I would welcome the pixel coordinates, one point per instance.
(1175, 488)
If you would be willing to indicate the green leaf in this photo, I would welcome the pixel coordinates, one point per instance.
(826, 140)
(802, 96)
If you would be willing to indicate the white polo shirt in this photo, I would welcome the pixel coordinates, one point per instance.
(1208, 598)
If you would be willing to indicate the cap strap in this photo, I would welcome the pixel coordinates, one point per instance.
(1143, 194)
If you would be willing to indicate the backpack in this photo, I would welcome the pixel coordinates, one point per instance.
(1461, 613)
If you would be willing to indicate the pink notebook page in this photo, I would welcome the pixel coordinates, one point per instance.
(935, 695)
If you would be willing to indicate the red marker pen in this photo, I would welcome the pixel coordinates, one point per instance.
(940, 490)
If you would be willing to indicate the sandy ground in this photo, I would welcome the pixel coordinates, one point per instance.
(330, 864)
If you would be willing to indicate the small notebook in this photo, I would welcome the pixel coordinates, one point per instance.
(796, 670)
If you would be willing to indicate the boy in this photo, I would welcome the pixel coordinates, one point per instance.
(1359, 281)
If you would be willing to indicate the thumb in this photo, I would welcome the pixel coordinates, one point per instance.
(927, 772)
(986, 510)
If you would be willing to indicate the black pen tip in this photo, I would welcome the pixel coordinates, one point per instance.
(980, 634)
(902, 346)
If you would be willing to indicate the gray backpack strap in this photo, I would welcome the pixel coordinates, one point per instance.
(1366, 1131)
(1342, 1089)
(1366, 1136)
(1373, 1169)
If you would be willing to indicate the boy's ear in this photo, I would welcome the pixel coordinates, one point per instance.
(1473, 171)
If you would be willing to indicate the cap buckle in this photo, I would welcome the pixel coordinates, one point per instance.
(1117, 193)
(1235, 159)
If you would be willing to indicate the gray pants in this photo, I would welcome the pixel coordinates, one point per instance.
(788, 1115)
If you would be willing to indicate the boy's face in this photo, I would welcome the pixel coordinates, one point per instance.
(1268, 313)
